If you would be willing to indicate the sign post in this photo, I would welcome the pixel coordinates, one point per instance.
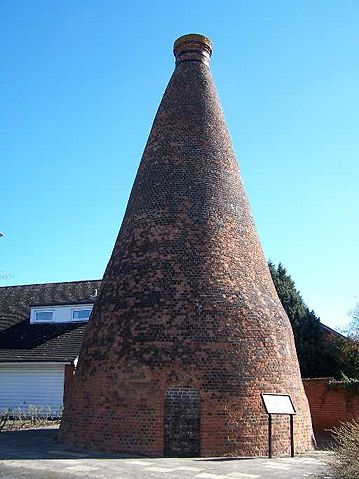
(280, 404)
(291, 436)
(269, 436)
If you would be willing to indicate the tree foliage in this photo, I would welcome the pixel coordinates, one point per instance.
(353, 329)
(349, 349)
(317, 356)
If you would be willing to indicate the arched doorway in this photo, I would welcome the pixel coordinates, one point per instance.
(182, 422)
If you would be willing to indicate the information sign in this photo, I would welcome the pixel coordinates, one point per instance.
(278, 404)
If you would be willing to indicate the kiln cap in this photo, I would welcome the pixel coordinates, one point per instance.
(192, 47)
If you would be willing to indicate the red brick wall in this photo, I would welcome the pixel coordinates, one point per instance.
(329, 407)
(68, 379)
(187, 300)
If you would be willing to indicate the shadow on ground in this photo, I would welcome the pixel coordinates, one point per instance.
(325, 441)
(42, 444)
(224, 459)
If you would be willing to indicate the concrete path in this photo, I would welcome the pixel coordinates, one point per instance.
(36, 454)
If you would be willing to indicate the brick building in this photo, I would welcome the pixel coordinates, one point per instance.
(187, 330)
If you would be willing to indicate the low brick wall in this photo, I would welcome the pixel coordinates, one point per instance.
(329, 407)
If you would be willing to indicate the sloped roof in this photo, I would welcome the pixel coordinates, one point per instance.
(332, 333)
(22, 341)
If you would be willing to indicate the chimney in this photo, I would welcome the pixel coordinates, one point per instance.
(187, 331)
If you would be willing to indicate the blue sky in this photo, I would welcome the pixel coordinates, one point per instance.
(80, 83)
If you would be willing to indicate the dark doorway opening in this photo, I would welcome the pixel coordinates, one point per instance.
(182, 422)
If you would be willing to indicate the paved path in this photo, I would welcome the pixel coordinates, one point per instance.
(36, 454)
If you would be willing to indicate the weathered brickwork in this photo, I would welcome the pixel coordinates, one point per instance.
(187, 300)
(330, 406)
(69, 377)
(182, 422)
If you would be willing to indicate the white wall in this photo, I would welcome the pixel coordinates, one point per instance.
(39, 384)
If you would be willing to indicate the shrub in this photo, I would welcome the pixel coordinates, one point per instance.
(4, 417)
(346, 452)
(351, 385)
(29, 417)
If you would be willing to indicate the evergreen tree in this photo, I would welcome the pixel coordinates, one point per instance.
(317, 356)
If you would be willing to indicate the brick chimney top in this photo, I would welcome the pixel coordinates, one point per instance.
(192, 47)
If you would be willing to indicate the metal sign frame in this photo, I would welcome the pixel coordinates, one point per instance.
(270, 414)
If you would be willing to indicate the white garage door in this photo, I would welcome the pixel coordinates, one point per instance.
(25, 384)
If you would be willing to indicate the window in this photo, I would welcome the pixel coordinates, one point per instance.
(81, 314)
(44, 316)
(62, 313)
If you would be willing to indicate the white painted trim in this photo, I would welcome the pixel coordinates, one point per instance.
(61, 313)
(36, 363)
